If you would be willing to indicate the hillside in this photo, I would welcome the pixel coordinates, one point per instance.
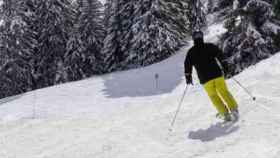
(126, 114)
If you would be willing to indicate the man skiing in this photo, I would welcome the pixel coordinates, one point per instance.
(208, 62)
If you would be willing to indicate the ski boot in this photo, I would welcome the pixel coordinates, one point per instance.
(234, 115)
(225, 117)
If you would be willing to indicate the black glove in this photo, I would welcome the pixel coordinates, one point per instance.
(189, 79)
(225, 68)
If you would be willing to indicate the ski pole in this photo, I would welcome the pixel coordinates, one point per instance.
(178, 109)
(245, 89)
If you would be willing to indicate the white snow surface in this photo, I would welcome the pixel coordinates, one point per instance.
(127, 115)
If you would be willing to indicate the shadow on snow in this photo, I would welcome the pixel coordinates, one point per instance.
(143, 82)
(214, 131)
(10, 99)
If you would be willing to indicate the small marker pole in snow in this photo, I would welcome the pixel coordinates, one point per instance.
(246, 90)
(156, 78)
(178, 109)
(34, 105)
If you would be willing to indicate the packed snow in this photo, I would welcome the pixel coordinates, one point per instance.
(127, 115)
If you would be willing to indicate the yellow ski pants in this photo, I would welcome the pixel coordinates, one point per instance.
(220, 96)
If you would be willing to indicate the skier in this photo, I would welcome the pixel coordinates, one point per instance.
(208, 62)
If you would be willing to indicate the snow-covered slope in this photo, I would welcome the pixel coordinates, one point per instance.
(127, 114)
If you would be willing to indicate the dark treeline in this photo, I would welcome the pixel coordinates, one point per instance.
(48, 42)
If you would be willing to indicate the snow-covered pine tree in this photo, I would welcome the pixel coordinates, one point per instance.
(217, 10)
(55, 25)
(31, 21)
(218, 5)
(144, 32)
(83, 57)
(251, 35)
(15, 50)
(113, 24)
(126, 15)
(107, 13)
(158, 29)
(197, 15)
(276, 6)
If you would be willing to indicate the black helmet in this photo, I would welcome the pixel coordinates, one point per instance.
(197, 35)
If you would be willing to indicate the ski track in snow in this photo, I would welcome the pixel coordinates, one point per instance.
(124, 115)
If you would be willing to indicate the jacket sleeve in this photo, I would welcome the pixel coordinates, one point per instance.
(188, 65)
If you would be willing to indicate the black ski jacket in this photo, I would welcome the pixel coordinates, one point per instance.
(204, 58)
